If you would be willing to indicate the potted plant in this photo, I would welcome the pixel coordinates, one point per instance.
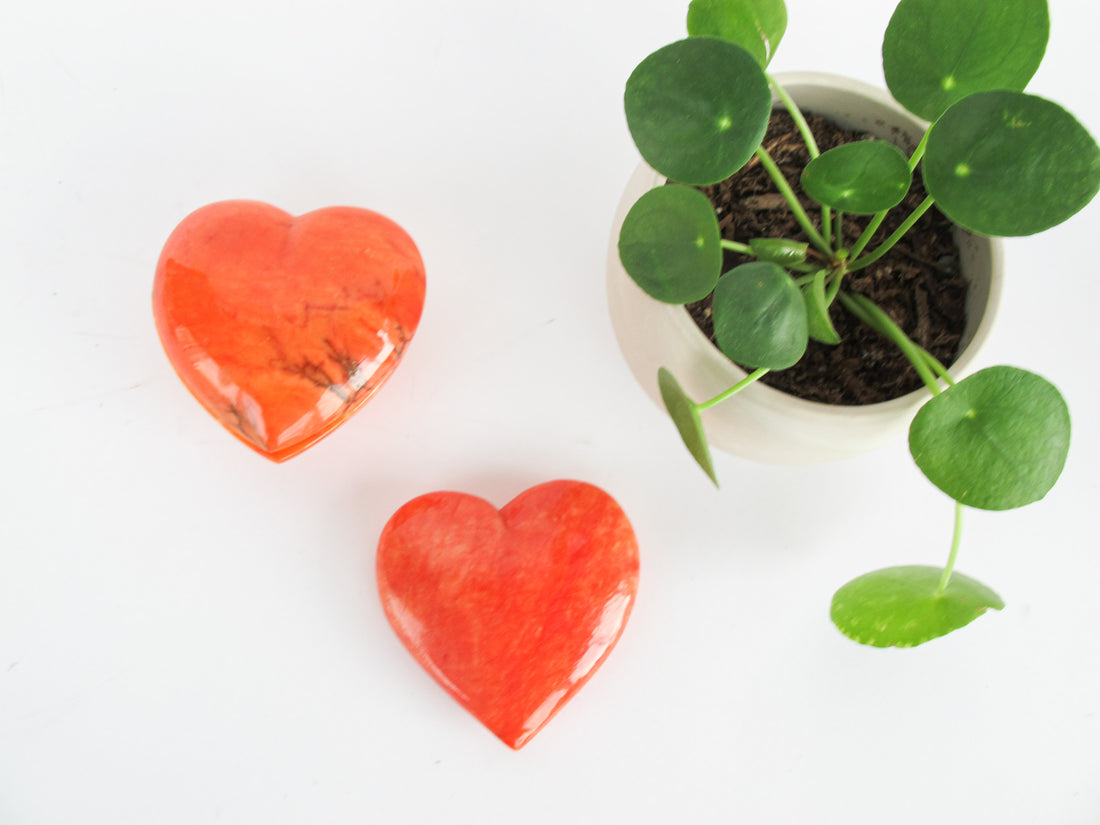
(993, 159)
(766, 424)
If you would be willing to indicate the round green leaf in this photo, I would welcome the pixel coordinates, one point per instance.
(755, 25)
(862, 178)
(818, 321)
(900, 606)
(685, 415)
(1007, 163)
(760, 317)
(670, 244)
(697, 109)
(779, 250)
(936, 52)
(995, 440)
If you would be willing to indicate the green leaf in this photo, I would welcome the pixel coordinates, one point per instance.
(755, 25)
(759, 316)
(900, 606)
(685, 415)
(995, 440)
(670, 244)
(819, 323)
(1008, 163)
(697, 109)
(936, 52)
(861, 178)
(779, 250)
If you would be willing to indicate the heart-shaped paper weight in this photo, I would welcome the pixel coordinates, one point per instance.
(282, 327)
(511, 611)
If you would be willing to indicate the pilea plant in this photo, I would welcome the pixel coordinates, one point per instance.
(994, 159)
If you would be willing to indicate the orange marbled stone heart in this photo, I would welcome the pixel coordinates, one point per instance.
(284, 326)
(512, 611)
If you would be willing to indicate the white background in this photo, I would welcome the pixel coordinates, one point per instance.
(191, 634)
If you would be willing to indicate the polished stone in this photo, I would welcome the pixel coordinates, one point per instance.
(511, 611)
(281, 326)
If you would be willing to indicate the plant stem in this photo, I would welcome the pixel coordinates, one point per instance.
(897, 235)
(740, 385)
(918, 153)
(792, 201)
(868, 233)
(799, 118)
(834, 287)
(811, 146)
(734, 246)
(936, 366)
(955, 540)
(838, 232)
(869, 313)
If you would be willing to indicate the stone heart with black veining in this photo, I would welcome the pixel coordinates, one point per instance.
(284, 326)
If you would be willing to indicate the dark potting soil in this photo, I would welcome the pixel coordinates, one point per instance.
(918, 283)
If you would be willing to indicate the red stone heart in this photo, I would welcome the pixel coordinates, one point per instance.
(282, 327)
(510, 611)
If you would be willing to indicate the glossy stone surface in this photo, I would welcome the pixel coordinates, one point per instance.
(284, 326)
(511, 611)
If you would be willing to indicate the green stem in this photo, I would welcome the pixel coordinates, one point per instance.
(936, 366)
(736, 388)
(955, 540)
(792, 201)
(811, 146)
(838, 232)
(734, 246)
(868, 233)
(897, 235)
(834, 287)
(866, 311)
(799, 118)
(918, 153)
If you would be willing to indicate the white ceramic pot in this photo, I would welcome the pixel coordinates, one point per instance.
(761, 423)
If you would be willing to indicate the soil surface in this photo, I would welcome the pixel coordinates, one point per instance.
(918, 283)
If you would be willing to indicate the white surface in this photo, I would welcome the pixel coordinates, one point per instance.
(190, 634)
